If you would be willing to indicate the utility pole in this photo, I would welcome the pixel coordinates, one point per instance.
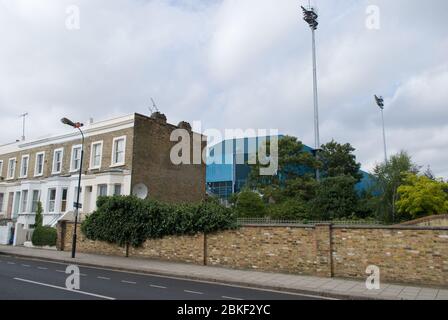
(24, 115)
(310, 16)
(380, 103)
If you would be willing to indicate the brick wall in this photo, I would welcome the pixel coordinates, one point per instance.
(404, 254)
(153, 167)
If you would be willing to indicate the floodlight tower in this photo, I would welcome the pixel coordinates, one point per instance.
(310, 16)
(380, 103)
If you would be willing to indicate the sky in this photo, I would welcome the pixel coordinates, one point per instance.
(233, 64)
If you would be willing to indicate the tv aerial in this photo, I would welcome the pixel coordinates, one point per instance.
(154, 107)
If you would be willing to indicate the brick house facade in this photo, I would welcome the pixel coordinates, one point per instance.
(119, 155)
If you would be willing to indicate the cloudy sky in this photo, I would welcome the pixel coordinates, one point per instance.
(233, 64)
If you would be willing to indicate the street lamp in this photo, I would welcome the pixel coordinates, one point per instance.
(380, 102)
(310, 16)
(78, 126)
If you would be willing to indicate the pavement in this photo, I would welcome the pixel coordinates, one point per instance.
(187, 277)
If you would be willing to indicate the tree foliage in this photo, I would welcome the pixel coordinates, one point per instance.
(339, 160)
(129, 221)
(336, 198)
(420, 196)
(249, 204)
(388, 178)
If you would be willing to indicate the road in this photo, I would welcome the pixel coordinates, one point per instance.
(26, 279)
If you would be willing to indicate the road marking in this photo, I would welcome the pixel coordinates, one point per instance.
(130, 282)
(154, 286)
(231, 298)
(42, 268)
(9, 262)
(193, 292)
(65, 289)
(26, 265)
(103, 278)
(60, 271)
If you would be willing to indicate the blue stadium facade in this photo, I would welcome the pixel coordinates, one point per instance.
(224, 177)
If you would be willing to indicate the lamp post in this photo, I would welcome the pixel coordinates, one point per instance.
(78, 126)
(380, 102)
(310, 16)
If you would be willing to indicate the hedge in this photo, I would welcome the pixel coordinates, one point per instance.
(44, 236)
(127, 220)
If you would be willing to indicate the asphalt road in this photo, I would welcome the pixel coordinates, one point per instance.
(25, 279)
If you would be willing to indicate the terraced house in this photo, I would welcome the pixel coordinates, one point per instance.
(130, 154)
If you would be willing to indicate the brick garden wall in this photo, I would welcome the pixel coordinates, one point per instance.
(405, 254)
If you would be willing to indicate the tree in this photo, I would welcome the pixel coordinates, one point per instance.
(295, 165)
(338, 160)
(289, 209)
(421, 196)
(388, 178)
(39, 219)
(336, 198)
(249, 204)
(293, 162)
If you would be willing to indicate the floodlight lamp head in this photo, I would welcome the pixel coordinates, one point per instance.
(310, 16)
(379, 102)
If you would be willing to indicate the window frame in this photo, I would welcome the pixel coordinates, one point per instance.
(36, 173)
(24, 201)
(2, 200)
(54, 158)
(49, 200)
(118, 164)
(21, 175)
(72, 160)
(92, 156)
(8, 177)
(101, 185)
(32, 200)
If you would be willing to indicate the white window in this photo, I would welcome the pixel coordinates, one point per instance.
(57, 160)
(118, 151)
(16, 204)
(51, 199)
(24, 205)
(76, 158)
(64, 200)
(1, 168)
(117, 190)
(36, 196)
(96, 155)
(102, 190)
(2, 198)
(24, 166)
(11, 168)
(39, 166)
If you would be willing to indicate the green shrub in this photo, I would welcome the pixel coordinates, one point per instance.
(129, 221)
(290, 209)
(39, 218)
(250, 204)
(44, 236)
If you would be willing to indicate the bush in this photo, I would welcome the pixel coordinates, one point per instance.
(129, 221)
(249, 204)
(44, 236)
(290, 209)
(336, 198)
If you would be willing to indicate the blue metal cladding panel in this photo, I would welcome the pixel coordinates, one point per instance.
(219, 172)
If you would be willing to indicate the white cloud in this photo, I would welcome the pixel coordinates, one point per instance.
(232, 64)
